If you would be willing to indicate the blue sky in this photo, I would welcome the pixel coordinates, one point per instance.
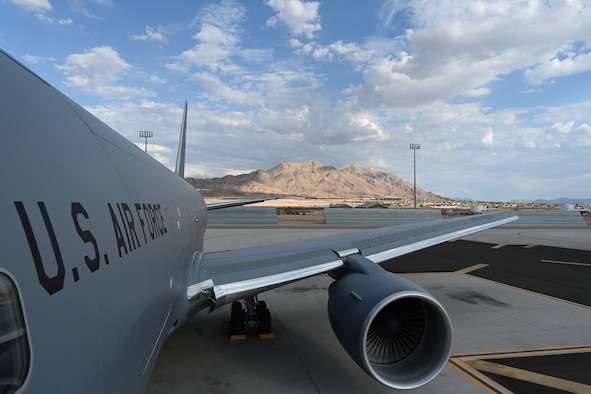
(498, 93)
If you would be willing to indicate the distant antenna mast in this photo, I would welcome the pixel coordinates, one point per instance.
(180, 157)
(146, 134)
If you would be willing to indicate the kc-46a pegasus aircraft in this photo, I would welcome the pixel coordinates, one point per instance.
(102, 258)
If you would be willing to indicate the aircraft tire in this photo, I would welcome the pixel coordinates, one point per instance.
(264, 321)
(237, 319)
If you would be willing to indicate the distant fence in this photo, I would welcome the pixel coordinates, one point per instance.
(243, 215)
(379, 217)
(549, 218)
(386, 217)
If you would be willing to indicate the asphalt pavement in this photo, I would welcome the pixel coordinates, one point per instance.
(520, 305)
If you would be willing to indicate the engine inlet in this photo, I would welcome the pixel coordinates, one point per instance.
(395, 332)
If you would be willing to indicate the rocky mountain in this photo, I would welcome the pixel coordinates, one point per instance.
(312, 179)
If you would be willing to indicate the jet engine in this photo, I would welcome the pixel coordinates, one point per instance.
(393, 329)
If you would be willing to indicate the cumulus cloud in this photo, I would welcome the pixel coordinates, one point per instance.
(98, 71)
(570, 135)
(340, 51)
(459, 47)
(300, 17)
(562, 127)
(568, 64)
(216, 41)
(488, 137)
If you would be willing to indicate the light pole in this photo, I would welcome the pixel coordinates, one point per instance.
(414, 148)
(146, 134)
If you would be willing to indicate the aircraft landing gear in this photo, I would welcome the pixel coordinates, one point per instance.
(254, 315)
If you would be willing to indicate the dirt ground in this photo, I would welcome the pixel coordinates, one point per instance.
(294, 202)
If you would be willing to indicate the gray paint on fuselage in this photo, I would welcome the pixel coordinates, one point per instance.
(109, 302)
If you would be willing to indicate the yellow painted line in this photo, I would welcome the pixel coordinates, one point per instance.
(528, 376)
(469, 364)
(238, 337)
(530, 246)
(566, 262)
(266, 336)
(498, 246)
(533, 292)
(476, 377)
(524, 352)
(544, 351)
(470, 269)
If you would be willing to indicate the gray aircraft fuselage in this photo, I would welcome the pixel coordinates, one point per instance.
(97, 238)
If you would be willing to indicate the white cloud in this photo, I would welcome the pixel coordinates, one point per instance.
(488, 137)
(31, 59)
(366, 127)
(340, 51)
(301, 17)
(571, 63)
(78, 6)
(477, 92)
(226, 92)
(459, 47)
(217, 39)
(106, 3)
(40, 7)
(352, 52)
(226, 14)
(213, 51)
(562, 127)
(151, 34)
(98, 71)
(34, 5)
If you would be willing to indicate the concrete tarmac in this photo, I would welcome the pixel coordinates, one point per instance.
(519, 301)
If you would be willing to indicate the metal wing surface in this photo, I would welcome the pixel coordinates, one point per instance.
(239, 273)
(229, 204)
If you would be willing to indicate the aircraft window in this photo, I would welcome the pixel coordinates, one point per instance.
(14, 345)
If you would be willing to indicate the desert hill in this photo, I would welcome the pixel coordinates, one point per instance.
(312, 179)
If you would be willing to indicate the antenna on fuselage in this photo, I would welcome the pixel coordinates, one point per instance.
(180, 157)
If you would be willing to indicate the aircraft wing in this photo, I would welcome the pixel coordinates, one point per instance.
(239, 273)
(228, 204)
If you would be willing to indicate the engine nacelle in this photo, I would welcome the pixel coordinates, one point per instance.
(393, 329)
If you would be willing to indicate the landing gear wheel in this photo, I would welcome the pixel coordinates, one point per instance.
(237, 319)
(264, 316)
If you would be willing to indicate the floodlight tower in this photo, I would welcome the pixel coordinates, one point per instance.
(414, 148)
(146, 134)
